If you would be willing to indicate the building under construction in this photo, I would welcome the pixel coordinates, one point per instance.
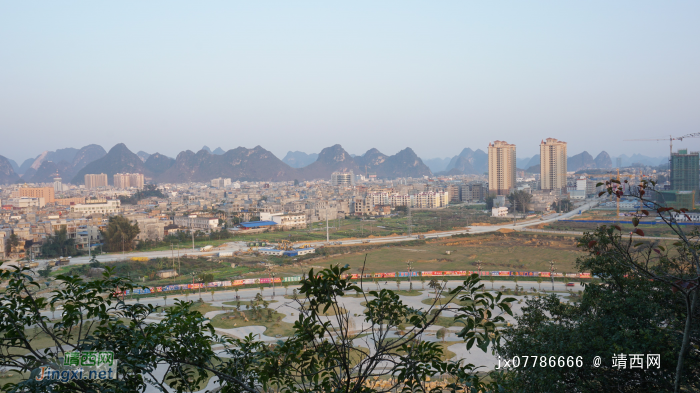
(685, 171)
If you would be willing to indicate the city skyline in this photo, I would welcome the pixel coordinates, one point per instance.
(169, 76)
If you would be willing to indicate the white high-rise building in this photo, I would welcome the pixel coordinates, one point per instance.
(501, 167)
(552, 164)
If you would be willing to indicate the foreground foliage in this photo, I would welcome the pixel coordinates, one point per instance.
(321, 355)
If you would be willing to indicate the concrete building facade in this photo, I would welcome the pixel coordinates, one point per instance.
(96, 180)
(128, 180)
(685, 171)
(501, 167)
(345, 179)
(38, 192)
(552, 164)
(112, 206)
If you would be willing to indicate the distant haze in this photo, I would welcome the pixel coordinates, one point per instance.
(436, 76)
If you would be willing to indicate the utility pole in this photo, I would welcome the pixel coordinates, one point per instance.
(551, 273)
(192, 232)
(327, 236)
(478, 265)
(410, 281)
(89, 252)
(408, 207)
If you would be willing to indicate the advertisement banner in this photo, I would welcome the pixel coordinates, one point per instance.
(389, 275)
(504, 273)
(545, 274)
(426, 273)
(237, 282)
(265, 280)
(249, 281)
(585, 275)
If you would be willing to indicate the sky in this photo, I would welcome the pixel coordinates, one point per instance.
(167, 76)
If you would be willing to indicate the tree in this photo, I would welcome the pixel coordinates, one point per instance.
(119, 234)
(441, 334)
(59, 245)
(165, 301)
(492, 279)
(489, 201)
(11, 243)
(422, 282)
(435, 285)
(212, 295)
(95, 319)
(520, 200)
(45, 272)
(646, 303)
(539, 283)
(285, 284)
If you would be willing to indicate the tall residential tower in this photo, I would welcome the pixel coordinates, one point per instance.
(685, 171)
(501, 167)
(552, 164)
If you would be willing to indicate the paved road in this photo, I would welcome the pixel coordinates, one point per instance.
(241, 246)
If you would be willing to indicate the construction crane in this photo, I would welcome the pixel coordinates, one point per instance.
(670, 140)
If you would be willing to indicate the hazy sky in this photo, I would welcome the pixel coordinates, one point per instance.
(434, 76)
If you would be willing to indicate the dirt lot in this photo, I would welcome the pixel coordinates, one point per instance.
(523, 252)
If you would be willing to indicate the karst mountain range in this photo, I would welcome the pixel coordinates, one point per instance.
(258, 164)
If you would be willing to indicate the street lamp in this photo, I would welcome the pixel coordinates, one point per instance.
(478, 266)
(272, 280)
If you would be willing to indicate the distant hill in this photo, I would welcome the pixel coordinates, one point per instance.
(402, 164)
(299, 159)
(50, 168)
(331, 159)
(25, 165)
(7, 174)
(580, 161)
(640, 159)
(143, 155)
(437, 164)
(255, 164)
(470, 162)
(218, 151)
(119, 159)
(158, 163)
(603, 160)
(15, 167)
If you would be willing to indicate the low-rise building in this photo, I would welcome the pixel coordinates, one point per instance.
(290, 220)
(108, 207)
(197, 222)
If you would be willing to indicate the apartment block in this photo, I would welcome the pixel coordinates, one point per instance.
(553, 164)
(38, 192)
(220, 182)
(128, 180)
(343, 179)
(93, 180)
(501, 167)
